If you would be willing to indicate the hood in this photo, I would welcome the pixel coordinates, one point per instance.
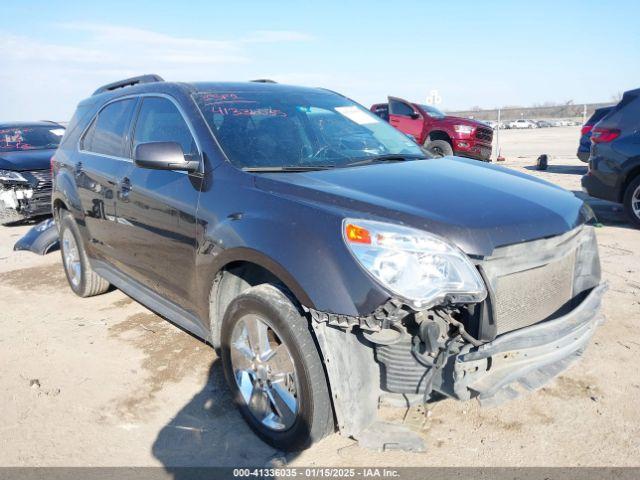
(463, 121)
(475, 205)
(26, 160)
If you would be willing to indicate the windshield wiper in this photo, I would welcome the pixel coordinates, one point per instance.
(397, 157)
(288, 168)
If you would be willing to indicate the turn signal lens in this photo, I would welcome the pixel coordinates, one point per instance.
(356, 234)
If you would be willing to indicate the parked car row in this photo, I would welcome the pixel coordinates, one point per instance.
(333, 263)
(528, 124)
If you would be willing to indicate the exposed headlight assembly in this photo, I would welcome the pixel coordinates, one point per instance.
(421, 268)
(11, 176)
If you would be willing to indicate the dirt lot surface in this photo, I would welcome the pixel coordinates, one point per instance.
(105, 382)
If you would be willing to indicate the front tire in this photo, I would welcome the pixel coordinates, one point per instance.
(632, 202)
(274, 370)
(82, 279)
(439, 148)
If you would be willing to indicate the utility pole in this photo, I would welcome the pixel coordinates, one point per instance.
(498, 137)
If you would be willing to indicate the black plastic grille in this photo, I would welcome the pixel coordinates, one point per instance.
(484, 134)
(40, 180)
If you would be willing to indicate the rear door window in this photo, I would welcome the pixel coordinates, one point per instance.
(109, 130)
(160, 120)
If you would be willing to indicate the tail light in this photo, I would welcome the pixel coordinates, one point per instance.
(604, 135)
(586, 129)
(51, 165)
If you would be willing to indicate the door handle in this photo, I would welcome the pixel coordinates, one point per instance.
(125, 188)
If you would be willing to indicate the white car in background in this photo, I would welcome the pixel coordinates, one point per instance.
(523, 123)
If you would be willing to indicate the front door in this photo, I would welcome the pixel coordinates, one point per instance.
(159, 208)
(405, 118)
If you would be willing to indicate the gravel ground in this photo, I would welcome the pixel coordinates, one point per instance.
(105, 382)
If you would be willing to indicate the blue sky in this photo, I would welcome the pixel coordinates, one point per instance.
(485, 53)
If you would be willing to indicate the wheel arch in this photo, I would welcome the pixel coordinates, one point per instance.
(240, 269)
(630, 176)
(440, 135)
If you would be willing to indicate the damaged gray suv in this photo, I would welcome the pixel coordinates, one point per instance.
(333, 265)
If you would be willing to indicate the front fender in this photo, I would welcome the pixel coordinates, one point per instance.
(300, 243)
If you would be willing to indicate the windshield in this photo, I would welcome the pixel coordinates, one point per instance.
(299, 130)
(30, 138)
(432, 111)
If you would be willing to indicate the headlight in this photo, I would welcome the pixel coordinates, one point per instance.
(466, 129)
(421, 268)
(10, 176)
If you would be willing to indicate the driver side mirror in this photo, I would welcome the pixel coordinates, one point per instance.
(163, 156)
(414, 115)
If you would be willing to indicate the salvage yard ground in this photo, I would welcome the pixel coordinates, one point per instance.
(105, 382)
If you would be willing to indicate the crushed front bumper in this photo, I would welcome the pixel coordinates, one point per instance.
(20, 202)
(525, 359)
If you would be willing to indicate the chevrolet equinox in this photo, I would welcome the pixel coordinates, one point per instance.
(333, 265)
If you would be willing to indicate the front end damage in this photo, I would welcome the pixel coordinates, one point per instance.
(542, 308)
(25, 195)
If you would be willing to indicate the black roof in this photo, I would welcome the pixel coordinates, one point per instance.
(633, 93)
(155, 83)
(252, 86)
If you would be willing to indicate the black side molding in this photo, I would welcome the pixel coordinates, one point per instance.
(129, 82)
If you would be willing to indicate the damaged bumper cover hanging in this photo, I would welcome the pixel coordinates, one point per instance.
(526, 359)
(515, 362)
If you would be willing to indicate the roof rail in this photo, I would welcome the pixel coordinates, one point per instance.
(129, 82)
(264, 80)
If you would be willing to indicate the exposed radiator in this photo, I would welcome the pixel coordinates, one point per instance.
(527, 297)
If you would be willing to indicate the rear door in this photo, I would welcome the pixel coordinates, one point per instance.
(159, 208)
(405, 118)
(101, 164)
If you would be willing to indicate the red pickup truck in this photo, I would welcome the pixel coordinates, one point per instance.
(440, 134)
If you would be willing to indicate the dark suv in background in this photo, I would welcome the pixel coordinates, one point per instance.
(614, 161)
(332, 265)
(584, 147)
(26, 149)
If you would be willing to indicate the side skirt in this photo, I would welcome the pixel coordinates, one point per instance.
(150, 299)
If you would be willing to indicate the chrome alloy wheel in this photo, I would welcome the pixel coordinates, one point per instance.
(264, 372)
(71, 256)
(635, 202)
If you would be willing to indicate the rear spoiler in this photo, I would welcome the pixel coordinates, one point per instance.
(129, 82)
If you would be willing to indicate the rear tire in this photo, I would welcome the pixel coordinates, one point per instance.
(439, 148)
(263, 383)
(82, 279)
(632, 202)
